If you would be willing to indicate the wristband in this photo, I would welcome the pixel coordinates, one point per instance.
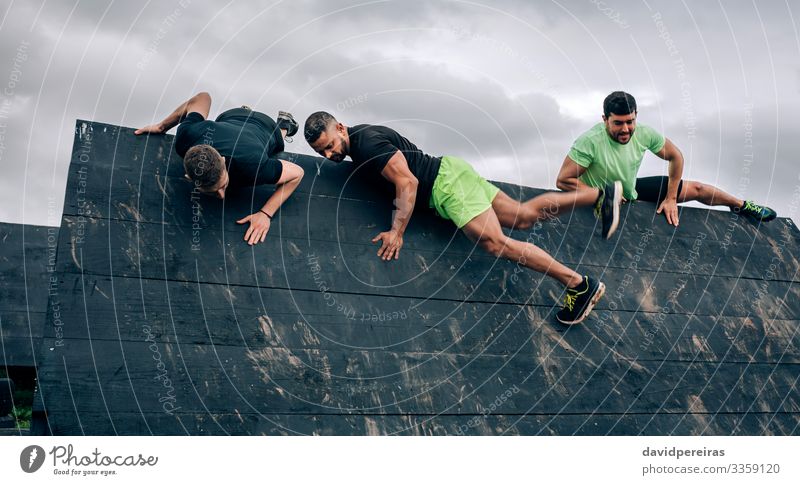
(268, 216)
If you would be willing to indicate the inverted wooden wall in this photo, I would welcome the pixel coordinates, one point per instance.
(170, 324)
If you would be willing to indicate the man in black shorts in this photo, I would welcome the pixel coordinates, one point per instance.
(613, 151)
(237, 150)
(455, 191)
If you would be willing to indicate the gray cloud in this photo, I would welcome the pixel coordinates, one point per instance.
(506, 84)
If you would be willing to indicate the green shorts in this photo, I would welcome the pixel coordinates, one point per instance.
(459, 193)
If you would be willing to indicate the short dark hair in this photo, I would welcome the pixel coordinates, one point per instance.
(203, 164)
(316, 124)
(619, 103)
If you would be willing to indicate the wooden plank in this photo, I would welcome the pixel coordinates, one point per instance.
(26, 254)
(319, 217)
(152, 377)
(18, 297)
(121, 308)
(163, 251)
(27, 259)
(663, 424)
(153, 197)
(14, 324)
(19, 352)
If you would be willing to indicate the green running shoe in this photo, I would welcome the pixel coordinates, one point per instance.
(758, 213)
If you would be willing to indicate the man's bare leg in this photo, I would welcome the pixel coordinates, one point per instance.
(514, 214)
(707, 194)
(582, 293)
(710, 195)
(486, 231)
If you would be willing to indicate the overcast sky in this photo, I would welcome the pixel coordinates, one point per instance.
(507, 85)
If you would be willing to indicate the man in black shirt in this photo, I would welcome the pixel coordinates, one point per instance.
(456, 192)
(237, 150)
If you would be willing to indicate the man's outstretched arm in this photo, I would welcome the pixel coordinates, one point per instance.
(670, 204)
(569, 176)
(291, 175)
(199, 103)
(405, 184)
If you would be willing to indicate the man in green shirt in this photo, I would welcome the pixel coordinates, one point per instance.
(613, 150)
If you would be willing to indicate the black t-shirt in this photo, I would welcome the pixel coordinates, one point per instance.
(248, 140)
(375, 144)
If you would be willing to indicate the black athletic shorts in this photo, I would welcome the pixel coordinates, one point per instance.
(654, 189)
(270, 126)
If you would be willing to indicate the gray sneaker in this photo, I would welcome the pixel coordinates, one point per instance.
(287, 122)
(607, 207)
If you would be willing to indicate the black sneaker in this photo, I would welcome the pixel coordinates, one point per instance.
(579, 301)
(287, 122)
(758, 213)
(607, 207)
